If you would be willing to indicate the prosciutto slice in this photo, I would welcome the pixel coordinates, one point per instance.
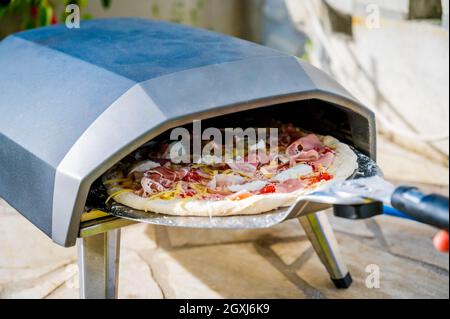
(159, 178)
(307, 156)
(150, 186)
(290, 185)
(143, 166)
(311, 142)
(242, 167)
(256, 158)
(305, 149)
(182, 172)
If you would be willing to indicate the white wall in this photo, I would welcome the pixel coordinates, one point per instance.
(402, 65)
(218, 15)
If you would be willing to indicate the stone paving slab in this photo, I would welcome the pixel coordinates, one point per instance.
(135, 280)
(185, 237)
(403, 239)
(30, 264)
(247, 264)
(179, 237)
(290, 252)
(219, 271)
(399, 277)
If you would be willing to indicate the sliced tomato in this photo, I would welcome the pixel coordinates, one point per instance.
(268, 189)
(187, 194)
(324, 176)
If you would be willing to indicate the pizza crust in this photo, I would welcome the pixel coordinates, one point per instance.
(344, 165)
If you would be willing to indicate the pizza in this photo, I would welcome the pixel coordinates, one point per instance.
(150, 181)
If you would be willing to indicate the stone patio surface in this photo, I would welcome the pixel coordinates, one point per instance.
(159, 262)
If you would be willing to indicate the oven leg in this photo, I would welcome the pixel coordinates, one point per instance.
(321, 236)
(98, 264)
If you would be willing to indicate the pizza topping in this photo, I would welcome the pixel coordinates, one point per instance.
(205, 172)
(144, 166)
(182, 172)
(250, 187)
(305, 149)
(290, 185)
(166, 195)
(193, 177)
(150, 186)
(324, 176)
(224, 180)
(330, 141)
(240, 195)
(117, 193)
(188, 194)
(257, 158)
(288, 134)
(269, 170)
(160, 161)
(300, 161)
(213, 197)
(293, 173)
(325, 160)
(280, 158)
(307, 156)
(242, 167)
(211, 159)
(268, 189)
(163, 174)
(158, 179)
(311, 142)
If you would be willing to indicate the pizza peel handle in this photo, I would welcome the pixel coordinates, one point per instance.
(430, 209)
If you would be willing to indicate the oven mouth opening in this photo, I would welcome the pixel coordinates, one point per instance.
(311, 115)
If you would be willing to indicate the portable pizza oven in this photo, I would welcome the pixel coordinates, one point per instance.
(73, 102)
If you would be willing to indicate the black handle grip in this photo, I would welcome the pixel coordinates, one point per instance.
(428, 209)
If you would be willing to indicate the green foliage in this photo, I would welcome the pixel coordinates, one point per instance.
(81, 3)
(177, 11)
(36, 13)
(308, 49)
(155, 11)
(180, 11)
(106, 3)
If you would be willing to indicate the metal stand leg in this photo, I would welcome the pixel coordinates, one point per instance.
(321, 236)
(98, 264)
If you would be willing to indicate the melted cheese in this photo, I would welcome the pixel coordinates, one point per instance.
(294, 172)
(249, 187)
